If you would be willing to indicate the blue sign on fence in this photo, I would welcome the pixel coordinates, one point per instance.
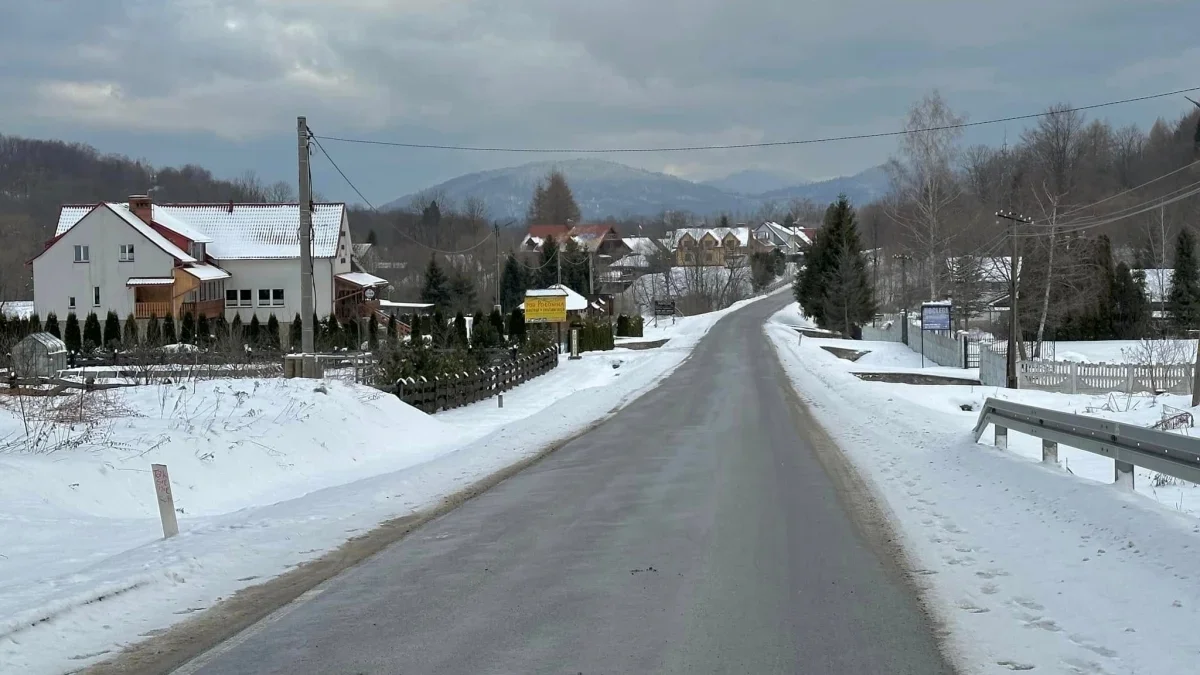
(935, 316)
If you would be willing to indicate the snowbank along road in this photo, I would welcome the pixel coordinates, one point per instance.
(706, 528)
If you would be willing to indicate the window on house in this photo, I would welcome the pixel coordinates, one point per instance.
(126, 253)
(231, 298)
(197, 251)
(277, 297)
(264, 297)
(81, 254)
(71, 302)
(238, 297)
(244, 297)
(95, 296)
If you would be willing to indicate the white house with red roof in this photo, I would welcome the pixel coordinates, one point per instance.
(231, 259)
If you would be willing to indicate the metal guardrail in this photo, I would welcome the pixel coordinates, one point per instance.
(1128, 445)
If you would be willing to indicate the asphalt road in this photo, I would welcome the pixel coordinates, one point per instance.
(697, 531)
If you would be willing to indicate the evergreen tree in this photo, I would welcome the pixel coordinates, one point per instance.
(553, 202)
(221, 328)
(462, 293)
(153, 331)
(460, 329)
(203, 330)
(187, 329)
(516, 325)
(1183, 302)
(1103, 283)
(271, 339)
(93, 336)
(436, 289)
(513, 282)
(52, 325)
(296, 333)
(419, 325)
(237, 332)
(7, 330)
(332, 333)
(372, 239)
(789, 221)
(254, 332)
(71, 334)
(393, 328)
(1129, 306)
(547, 272)
(497, 320)
(130, 331)
(431, 217)
(35, 323)
(350, 334)
(834, 288)
(438, 328)
(112, 330)
(575, 261)
(168, 330)
(723, 221)
(762, 269)
(373, 332)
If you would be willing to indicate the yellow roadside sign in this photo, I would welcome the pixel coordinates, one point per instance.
(545, 308)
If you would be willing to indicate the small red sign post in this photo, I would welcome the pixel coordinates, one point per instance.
(166, 503)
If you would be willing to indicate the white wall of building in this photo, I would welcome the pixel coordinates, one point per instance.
(57, 277)
(271, 275)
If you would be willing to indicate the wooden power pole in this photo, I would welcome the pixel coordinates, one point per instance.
(306, 268)
(1014, 335)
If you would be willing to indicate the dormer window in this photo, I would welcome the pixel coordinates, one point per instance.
(197, 251)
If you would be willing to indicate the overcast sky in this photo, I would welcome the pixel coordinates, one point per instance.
(220, 82)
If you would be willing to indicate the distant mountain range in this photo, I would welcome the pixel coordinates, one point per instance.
(604, 188)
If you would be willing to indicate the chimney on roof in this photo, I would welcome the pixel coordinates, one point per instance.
(142, 207)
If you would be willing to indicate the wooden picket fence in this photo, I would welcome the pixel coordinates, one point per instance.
(458, 389)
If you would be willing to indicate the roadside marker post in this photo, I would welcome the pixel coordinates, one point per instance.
(166, 503)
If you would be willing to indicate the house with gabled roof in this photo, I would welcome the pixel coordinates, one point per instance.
(214, 260)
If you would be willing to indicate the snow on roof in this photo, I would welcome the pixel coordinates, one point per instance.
(150, 281)
(362, 279)
(742, 234)
(361, 249)
(150, 233)
(207, 272)
(404, 305)
(641, 245)
(52, 344)
(240, 232)
(636, 260)
(17, 309)
(575, 301)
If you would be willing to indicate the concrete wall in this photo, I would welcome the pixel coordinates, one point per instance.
(256, 275)
(57, 277)
(940, 348)
(993, 368)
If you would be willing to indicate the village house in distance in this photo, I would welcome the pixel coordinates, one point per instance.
(144, 259)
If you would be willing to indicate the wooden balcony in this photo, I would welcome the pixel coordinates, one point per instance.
(209, 308)
(143, 310)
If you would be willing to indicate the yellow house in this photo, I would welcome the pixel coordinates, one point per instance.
(716, 246)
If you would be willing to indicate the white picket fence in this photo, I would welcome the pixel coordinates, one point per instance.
(1102, 378)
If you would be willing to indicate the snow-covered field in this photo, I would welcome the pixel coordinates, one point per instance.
(1112, 351)
(266, 475)
(1031, 567)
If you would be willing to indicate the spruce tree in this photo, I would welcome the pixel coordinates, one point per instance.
(130, 331)
(93, 335)
(112, 330)
(153, 332)
(373, 332)
(332, 333)
(513, 283)
(834, 288)
(553, 203)
(497, 321)
(393, 330)
(296, 333)
(516, 325)
(1130, 310)
(547, 272)
(203, 331)
(254, 333)
(72, 335)
(52, 325)
(236, 331)
(436, 287)
(168, 330)
(1183, 302)
(35, 323)
(438, 328)
(220, 328)
(460, 329)
(187, 329)
(271, 339)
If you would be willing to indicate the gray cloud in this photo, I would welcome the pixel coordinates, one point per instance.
(590, 73)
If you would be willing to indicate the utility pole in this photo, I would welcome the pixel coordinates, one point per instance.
(874, 270)
(592, 273)
(1014, 334)
(496, 234)
(903, 258)
(558, 262)
(306, 268)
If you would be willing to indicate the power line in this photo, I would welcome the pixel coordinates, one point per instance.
(768, 144)
(402, 233)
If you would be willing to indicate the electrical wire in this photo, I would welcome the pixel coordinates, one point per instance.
(402, 233)
(767, 144)
(1145, 207)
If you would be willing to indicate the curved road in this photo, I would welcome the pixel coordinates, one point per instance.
(697, 531)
